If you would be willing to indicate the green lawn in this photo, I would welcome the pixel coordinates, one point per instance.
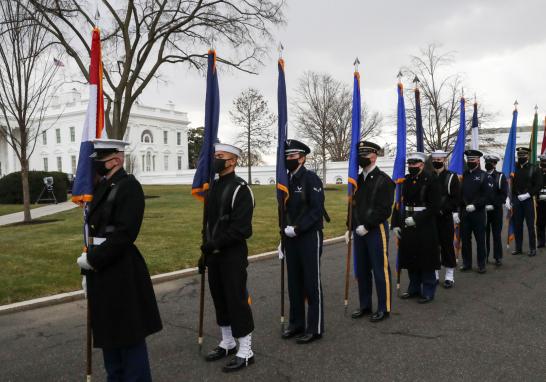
(40, 259)
(6, 209)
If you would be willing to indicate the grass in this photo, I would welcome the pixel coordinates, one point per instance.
(40, 259)
(6, 209)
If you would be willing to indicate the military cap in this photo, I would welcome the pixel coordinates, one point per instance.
(294, 146)
(416, 157)
(439, 154)
(367, 147)
(104, 146)
(227, 148)
(523, 151)
(491, 158)
(473, 154)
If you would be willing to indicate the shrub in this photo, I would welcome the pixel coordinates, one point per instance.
(11, 189)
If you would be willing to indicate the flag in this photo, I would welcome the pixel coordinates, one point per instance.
(58, 63)
(399, 171)
(282, 175)
(543, 148)
(508, 168)
(204, 172)
(355, 136)
(419, 122)
(475, 131)
(93, 126)
(534, 139)
(456, 163)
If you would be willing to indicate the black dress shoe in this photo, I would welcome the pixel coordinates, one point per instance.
(498, 262)
(407, 295)
(219, 353)
(425, 300)
(532, 253)
(516, 252)
(448, 284)
(379, 316)
(481, 270)
(465, 269)
(541, 246)
(291, 332)
(359, 313)
(237, 363)
(308, 338)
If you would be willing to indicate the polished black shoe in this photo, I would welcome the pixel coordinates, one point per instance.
(407, 295)
(379, 316)
(425, 300)
(516, 252)
(237, 363)
(291, 332)
(465, 269)
(498, 262)
(448, 284)
(532, 253)
(219, 353)
(541, 245)
(359, 313)
(481, 270)
(308, 338)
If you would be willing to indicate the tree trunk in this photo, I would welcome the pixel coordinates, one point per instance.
(249, 159)
(26, 189)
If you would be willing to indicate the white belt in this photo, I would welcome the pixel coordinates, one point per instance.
(96, 240)
(415, 209)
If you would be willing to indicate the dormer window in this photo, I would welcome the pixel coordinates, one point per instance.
(147, 137)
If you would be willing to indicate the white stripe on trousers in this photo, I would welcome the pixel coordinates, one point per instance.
(318, 283)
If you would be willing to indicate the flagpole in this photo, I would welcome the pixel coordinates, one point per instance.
(202, 286)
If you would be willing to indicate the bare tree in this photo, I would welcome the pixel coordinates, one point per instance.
(27, 83)
(251, 113)
(140, 37)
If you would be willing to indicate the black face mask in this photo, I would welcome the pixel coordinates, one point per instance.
(471, 165)
(218, 165)
(292, 164)
(438, 165)
(489, 166)
(522, 161)
(364, 162)
(413, 170)
(100, 167)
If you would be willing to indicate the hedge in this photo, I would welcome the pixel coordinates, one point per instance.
(11, 189)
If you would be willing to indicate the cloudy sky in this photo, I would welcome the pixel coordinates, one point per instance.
(499, 47)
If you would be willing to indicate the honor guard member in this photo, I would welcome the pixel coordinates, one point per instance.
(415, 227)
(372, 207)
(122, 302)
(448, 214)
(303, 246)
(474, 197)
(541, 207)
(229, 208)
(526, 184)
(498, 191)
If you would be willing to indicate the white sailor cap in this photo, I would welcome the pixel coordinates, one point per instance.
(441, 154)
(491, 157)
(104, 146)
(416, 156)
(227, 148)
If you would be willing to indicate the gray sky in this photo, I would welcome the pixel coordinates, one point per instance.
(499, 45)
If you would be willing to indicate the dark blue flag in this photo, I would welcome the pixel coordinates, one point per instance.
(456, 163)
(282, 175)
(355, 135)
(399, 171)
(419, 122)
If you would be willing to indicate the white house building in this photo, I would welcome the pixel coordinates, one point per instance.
(158, 151)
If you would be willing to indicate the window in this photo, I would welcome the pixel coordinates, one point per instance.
(257, 181)
(59, 164)
(143, 163)
(58, 135)
(166, 162)
(148, 162)
(147, 137)
(165, 137)
(178, 138)
(44, 138)
(153, 163)
(179, 162)
(272, 181)
(45, 164)
(72, 134)
(339, 180)
(73, 163)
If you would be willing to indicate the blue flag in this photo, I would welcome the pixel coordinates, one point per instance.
(204, 173)
(399, 171)
(456, 163)
(509, 163)
(355, 135)
(282, 175)
(419, 122)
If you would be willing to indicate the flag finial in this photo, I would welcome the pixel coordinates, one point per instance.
(356, 63)
(280, 49)
(536, 109)
(475, 98)
(462, 92)
(516, 105)
(399, 76)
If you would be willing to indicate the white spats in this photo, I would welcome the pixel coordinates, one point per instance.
(245, 347)
(228, 342)
(449, 274)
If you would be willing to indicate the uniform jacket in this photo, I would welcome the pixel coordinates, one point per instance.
(373, 199)
(474, 189)
(121, 297)
(419, 246)
(526, 178)
(498, 188)
(450, 189)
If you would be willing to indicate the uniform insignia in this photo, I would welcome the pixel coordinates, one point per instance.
(317, 189)
(476, 178)
(299, 189)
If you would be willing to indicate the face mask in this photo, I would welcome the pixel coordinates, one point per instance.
(100, 167)
(292, 164)
(414, 170)
(219, 165)
(471, 165)
(522, 161)
(489, 166)
(438, 165)
(364, 162)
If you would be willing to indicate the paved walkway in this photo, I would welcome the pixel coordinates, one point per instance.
(36, 213)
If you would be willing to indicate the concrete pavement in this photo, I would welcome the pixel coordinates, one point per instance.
(36, 213)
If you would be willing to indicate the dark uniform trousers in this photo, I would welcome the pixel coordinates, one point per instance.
(371, 258)
(541, 223)
(303, 254)
(127, 364)
(494, 228)
(524, 211)
(473, 223)
(422, 283)
(446, 230)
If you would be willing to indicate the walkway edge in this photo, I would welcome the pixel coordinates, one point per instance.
(157, 279)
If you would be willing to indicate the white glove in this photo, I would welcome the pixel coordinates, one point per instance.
(489, 207)
(523, 197)
(410, 222)
(456, 219)
(347, 237)
(397, 232)
(542, 197)
(470, 208)
(84, 285)
(281, 253)
(507, 204)
(289, 231)
(361, 230)
(82, 262)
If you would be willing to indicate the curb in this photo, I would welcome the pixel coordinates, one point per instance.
(157, 279)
